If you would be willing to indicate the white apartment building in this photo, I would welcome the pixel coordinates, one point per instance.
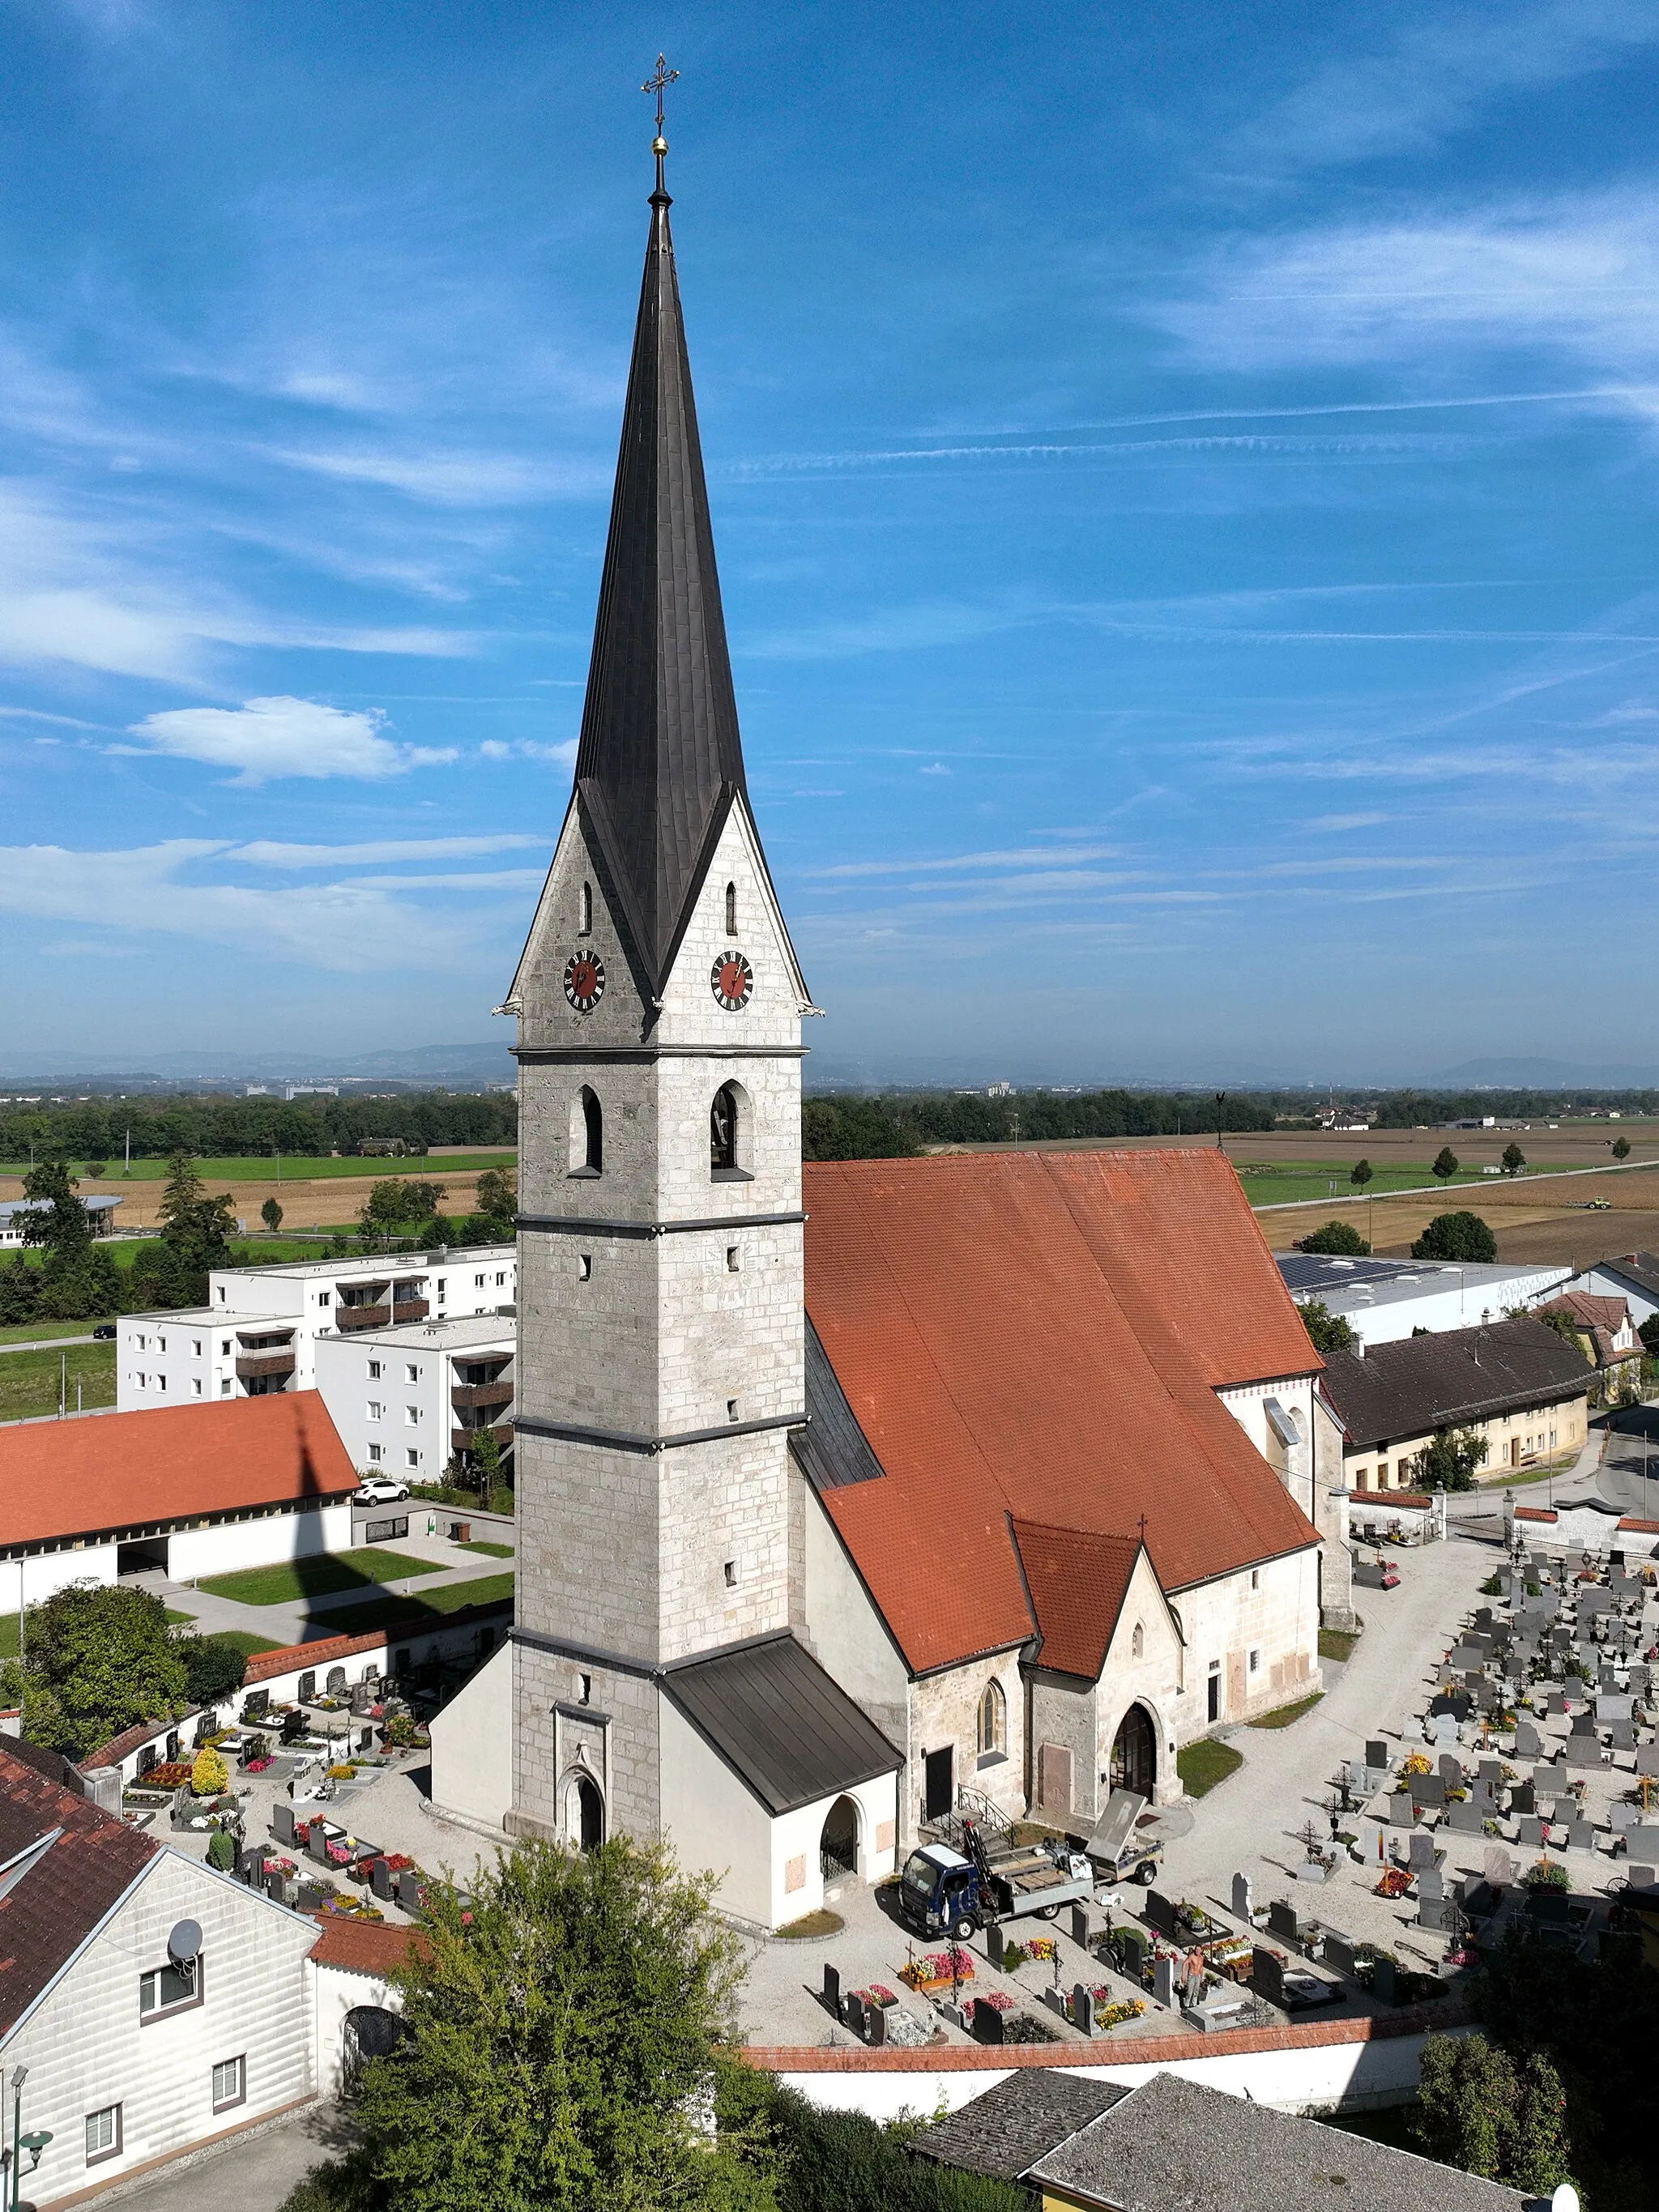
(260, 1329)
(403, 1398)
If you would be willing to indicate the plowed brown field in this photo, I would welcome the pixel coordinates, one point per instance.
(322, 1203)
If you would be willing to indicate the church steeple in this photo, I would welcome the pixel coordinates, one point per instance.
(659, 760)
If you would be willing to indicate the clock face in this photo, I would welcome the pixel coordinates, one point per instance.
(733, 981)
(583, 980)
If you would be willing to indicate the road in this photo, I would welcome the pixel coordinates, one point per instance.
(46, 1343)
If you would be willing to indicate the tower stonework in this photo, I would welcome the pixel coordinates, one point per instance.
(660, 1293)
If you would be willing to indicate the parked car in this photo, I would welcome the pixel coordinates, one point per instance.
(104, 1333)
(381, 1489)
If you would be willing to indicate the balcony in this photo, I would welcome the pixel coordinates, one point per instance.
(410, 1309)
(346, 1318)
(251, 1365)
(480, 1394)
(462, 1440)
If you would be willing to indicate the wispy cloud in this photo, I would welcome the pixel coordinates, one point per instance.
(264, 853)
(269, 738)
(1019, 856)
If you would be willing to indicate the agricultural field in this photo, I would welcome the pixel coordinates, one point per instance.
(29, 1380)
(265, 1167)
(321, 1202)
(1275, 1182)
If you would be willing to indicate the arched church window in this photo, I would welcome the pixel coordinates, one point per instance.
(992, 1720)
(1137, 1642)
(730, 909)
(723, 1131)
(585, 917)
(587, 1133)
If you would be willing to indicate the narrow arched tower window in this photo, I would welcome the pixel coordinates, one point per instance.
(730, 909)
(1137, 1642)
(585, 916)
(723, 1130)
(587, 1134)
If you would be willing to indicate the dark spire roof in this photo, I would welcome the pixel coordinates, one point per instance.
(659, 759)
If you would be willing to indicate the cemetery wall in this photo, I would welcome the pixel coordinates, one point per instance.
(1350, 2065)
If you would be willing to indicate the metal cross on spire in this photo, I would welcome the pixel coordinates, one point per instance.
(659, 82)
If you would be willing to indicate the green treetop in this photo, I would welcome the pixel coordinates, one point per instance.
(1327, 1332)
(1336, 1236)
(1445, 1163)
(1360, 1174)
(1456, 1237)
(57, 1218)
(1514, 1159)
(99, 1660)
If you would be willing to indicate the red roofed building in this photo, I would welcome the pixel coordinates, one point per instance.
(196, 1490)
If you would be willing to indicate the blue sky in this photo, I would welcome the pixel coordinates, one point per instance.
(1183, 479)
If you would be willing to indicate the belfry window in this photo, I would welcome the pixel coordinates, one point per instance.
(585, 915)
(586, 1134)
(723, 1131)
(730, 909)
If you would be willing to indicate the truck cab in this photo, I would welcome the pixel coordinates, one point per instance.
(939, 1892)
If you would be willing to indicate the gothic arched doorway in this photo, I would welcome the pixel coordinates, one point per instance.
(838, 1845)
(585, 1814)
(1135, 1752)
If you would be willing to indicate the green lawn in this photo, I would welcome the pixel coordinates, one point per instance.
(1281, 1183)
(1206, 1762)
(1282, 1716)
(260, 1167)
(1336, 1644)
(28, 1380)
(407, 1616)
(245, 1641)
(494, 1550)
(294, 1580)
(31, 1331)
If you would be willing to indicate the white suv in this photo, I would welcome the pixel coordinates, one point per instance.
(381, 1489)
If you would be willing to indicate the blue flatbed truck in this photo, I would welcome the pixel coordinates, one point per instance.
(944, 1892)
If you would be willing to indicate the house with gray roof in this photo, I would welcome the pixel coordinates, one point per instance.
(1172, 2145)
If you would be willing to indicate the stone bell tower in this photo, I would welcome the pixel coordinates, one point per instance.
(661, 1314)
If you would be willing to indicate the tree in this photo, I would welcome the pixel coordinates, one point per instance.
(1360, 1174)
(1336, 1236)
(1455, 1237)
(101, 1660)
(396, 1202)
(97, 1170)
(1567, 1327)
(1649, 1334)
(271, 1215)
(561, 2033)
(1449, 1461)
(1620, 1149)
(213, 1667)
(1479, 2109)
(209, 1775)
(1445, 1163)
(196, 1232)
(497, 1199)
(1327, 1332)
(485, 1451)
(1514, 1159)
(57, 1218)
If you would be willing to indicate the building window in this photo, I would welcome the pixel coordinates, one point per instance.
(1255, 1579)
(224, 1348)
(373, 1409)
(992, 1721)
(374, 1370)
(728, 1134)
(412, 1458)
(139, 1343)
(195, 1384)
(730, 909)
(161, 1343)
(584, 1689)
(229, 2083)
(729, 1574)
(196, 1347)
(731, 1409)
(477, 1282)
(103, 2134)
(1137, 1642)
(161, 1382)
(734, 1259)
(324, 1297)
(585, 912)
(169, 1989)
(443, 1284)
(501, 1279)
(411, 1417)
(1382, 1474)
(411, 1373)
(584, 1266)
(1256, 1661)
(376, 1452)
(224, 1387)
(587, 1136)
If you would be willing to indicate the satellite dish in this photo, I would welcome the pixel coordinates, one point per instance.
(185, 1944)
(1563, 2198)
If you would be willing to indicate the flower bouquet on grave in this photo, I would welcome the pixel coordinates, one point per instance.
(1040, 1947)
(994, 2000)
(1416, 1762)
(1395, 1883)
(878, 1994)
(1115, 2014)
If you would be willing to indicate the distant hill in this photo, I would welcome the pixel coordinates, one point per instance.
(424, 1063)
(1545, 1074)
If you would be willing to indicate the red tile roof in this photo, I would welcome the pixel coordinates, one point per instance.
(324, 1653)
(362, 1947)
(68, 1889)
(1078, 1582)
(1043, 1334)
(176, 1463)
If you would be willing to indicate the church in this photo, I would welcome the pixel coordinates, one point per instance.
(852, 1496)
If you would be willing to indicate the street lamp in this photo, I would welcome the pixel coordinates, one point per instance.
(34, 2144)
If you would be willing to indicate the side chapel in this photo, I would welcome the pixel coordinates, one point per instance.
(850, 1497)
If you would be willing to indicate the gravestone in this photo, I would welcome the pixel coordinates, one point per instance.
(1435, 1913)
(875, 2027)
(1500, 1866)
(1465, 1820)
(317, 1843)
(1451, 1769)
(1613, 1707)
(1622, 1817)
(1431, 1882)
(1339, 1953)
(1581, 1835)
(1283, 1922)
(1428, 1790)
(1583, 1751)
(853, 2012)
(1558, 1701)
(1640, 1676)
(1647, 1759)
(379, 1880)
(273, 1883)
(994, 1942)
(1376, 1754)
(1242, 1898)
(1083, 2009)
(1491, 1770)
(1422, 1848)
(281, 1822)
(1445, 1724)
(1383, 1983)
(409, 1890)
(832, 1990)
(1622, 1736)
(1266, 1975)
(1402, 1813)
(987, 2023)
(1164, 1979)
(1082, 1926)
(1531, 1837)
(1160, 1913)
(1520, 1798)
(1641, 1877)
(1527, 1743)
